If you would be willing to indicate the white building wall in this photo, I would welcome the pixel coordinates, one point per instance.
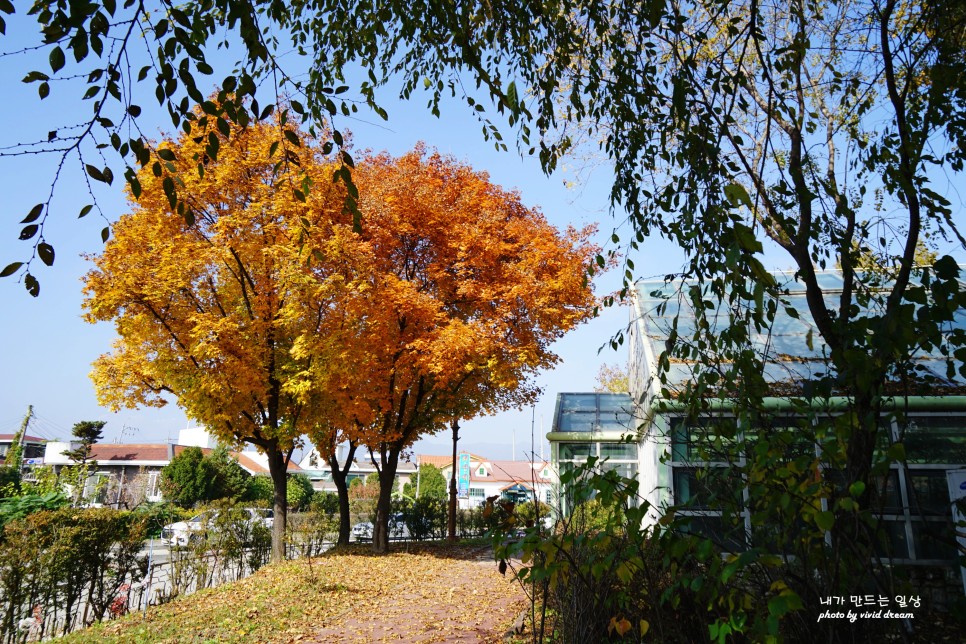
(197, 437)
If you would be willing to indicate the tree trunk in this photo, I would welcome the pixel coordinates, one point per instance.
(387, 478)
(451, 520)
(339, 477)
(277, 467)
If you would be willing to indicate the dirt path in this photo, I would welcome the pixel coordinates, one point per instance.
(462, 600)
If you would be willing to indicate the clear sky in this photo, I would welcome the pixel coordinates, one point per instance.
(46, 348)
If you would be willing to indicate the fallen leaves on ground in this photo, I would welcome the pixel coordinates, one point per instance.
(428, 593)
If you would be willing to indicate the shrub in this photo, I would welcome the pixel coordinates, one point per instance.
(62, 559)
(299, 492)
(260, 490)
(424, 518)
(19, 507)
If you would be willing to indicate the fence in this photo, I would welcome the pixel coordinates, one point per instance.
(64, 570)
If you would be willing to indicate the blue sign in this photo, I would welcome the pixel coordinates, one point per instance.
(463, 476)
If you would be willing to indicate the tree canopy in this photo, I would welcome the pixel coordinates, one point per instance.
(461, 292)
(206, 300)
(430, 483)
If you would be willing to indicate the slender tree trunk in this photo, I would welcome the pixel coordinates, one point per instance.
(277, 468)
(451, 523)
(340, 475)
(387, 478)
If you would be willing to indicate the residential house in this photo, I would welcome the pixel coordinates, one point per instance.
(479, 478)
(33, 447)
(317, 469)
(127, 474)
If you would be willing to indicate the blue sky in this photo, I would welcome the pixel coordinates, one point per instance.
(46, 348)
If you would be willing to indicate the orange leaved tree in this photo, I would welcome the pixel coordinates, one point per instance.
(459, 292)
(211, 312)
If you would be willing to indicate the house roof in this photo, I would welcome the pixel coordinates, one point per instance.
(153, 453)
(793, 349)
(511, 472)
(27, 438)
(107, 452)
(444, 460)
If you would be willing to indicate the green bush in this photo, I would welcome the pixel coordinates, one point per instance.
(260, 491)
(430, 483)
(9, 481)
(299, 492)
(597, 573)
(324, 502)
(18, 507)
(192, 477)
(64, 558)
(530, 512)
(424, 518)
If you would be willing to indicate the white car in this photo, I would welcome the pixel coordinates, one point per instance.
(397, 529)
(181, 533)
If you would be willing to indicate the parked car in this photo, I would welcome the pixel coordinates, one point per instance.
(181, 533)
(397, 529)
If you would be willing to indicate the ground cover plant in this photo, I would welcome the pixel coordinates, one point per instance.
(345, 595)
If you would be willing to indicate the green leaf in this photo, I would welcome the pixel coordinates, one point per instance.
(857, 488)
(166, 154)
(135, 186)
(10, 269)
(512, 98)
(31, 284)
(824, 520)
(57, 59)
(46, 253)
(746, 238)
(85, 210)
(737, 195)
(43, 90)
(29, 231)
(167, 184)
(34, 214)
(105, 233)
(946, 268)
(95, 173)
(292, 138)
(896, 453)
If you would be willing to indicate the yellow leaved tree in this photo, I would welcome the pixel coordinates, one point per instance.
(209, 305)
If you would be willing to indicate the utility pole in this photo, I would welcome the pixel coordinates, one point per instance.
(451, 531)
(15, 454)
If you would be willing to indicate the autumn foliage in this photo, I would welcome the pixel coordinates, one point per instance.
(205, 303)
(269, 313)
